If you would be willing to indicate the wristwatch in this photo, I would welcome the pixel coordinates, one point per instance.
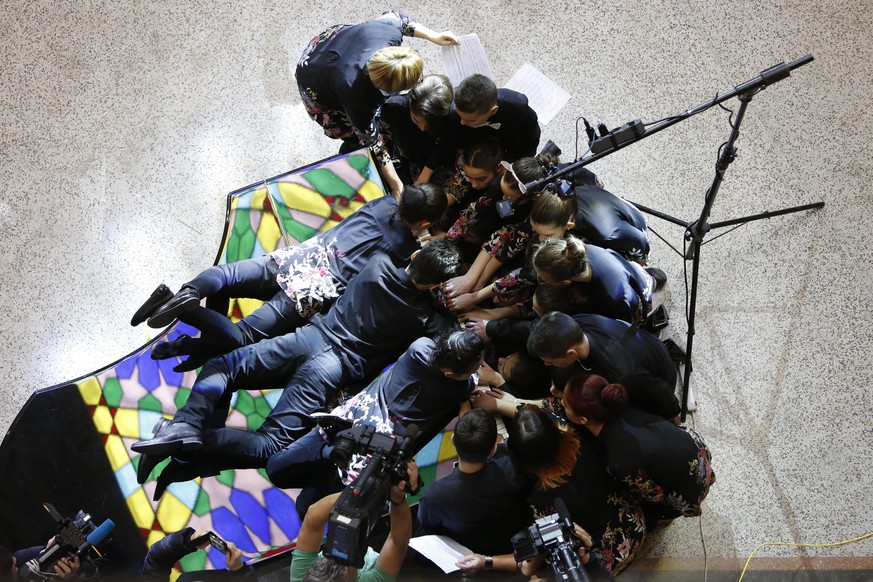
(489, 562)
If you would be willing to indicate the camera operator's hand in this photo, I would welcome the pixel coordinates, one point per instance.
(471, 563)
(67, 568)
(233, 557)
(398, 492)
(199, 533)
(587, 542)
(393, 551)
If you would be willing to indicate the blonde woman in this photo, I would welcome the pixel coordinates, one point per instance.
(347, 72)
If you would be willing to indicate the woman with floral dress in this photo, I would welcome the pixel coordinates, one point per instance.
(507, 241)
(667, 468)
(346, 73)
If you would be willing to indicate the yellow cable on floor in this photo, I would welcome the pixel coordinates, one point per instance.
(831, 545)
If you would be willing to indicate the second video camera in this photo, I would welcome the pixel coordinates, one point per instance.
(361, 503)
(554, 537)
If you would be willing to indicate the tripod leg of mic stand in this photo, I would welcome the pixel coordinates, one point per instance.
(689, 343)
(691, 404)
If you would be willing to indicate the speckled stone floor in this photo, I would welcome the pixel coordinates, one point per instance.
(124, 125)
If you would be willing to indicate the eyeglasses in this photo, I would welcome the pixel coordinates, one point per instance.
(507, 166)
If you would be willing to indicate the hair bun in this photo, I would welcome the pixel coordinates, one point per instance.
(614, 396)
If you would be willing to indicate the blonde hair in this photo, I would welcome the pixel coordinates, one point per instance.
(395, 68)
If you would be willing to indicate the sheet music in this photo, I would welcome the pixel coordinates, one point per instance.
(468, 58)
(543, 95)
(441, 550)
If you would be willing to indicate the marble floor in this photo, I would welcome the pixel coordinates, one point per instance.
(124, 126)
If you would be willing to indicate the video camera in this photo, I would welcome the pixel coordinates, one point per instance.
(553, 535)
(76, 536)
(361, 503)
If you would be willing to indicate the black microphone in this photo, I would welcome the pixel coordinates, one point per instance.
(408, 438)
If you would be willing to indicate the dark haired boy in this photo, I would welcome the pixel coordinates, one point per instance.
(483, 503)
(611, 348)
(481, 110)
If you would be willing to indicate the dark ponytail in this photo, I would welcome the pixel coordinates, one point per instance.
(422, 202)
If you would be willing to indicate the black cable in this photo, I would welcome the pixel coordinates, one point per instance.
(718, 154)
(686, 113)
(700, 526)
(685, 240)
(576, 142)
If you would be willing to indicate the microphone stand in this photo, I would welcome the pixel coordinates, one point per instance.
(696, 230)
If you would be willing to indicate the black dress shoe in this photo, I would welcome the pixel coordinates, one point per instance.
(185, 300)
(174, 472)
(657, 274)
(158, 297)
(179, 471)
(170, 438)
(147, 463)
(167, 350)
(192, 363)
(657, 320)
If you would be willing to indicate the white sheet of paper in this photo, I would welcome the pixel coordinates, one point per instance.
(468, 58)
(543, 95)
(441, 550)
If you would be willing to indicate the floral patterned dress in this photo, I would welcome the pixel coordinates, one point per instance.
(408, 392)
(304, 274)
(666, 467)
(316, 271)
(477, 215)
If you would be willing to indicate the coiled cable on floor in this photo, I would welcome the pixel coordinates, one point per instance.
(827, 545)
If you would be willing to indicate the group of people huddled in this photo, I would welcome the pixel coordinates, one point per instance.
(483, 296)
